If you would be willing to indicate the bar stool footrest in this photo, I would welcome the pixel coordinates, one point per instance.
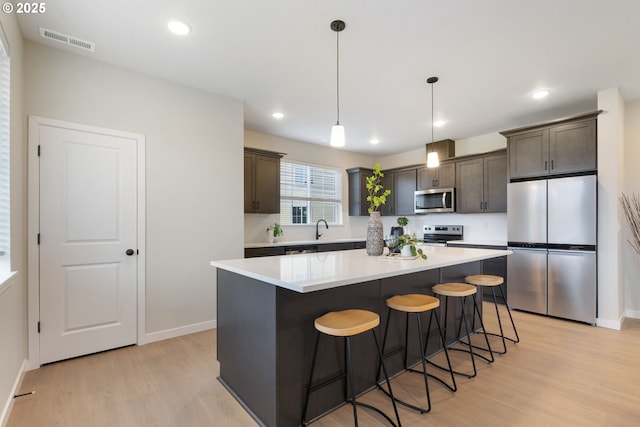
(366, 405)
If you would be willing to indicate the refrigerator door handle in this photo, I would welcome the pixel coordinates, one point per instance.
(571, 251)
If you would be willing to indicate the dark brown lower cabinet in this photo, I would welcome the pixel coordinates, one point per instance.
(319, 247)
(493, 266)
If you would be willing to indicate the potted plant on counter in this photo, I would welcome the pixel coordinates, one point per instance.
(376, 198)
(407, 245)
(403, 221)
(273, 232)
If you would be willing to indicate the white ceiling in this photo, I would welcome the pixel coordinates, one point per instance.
(280, 55)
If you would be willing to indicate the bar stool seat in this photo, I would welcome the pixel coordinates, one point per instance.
(493, 282)
(416, 304)
(413, 303)
(463, 291)
(346, 324)
(454, 289)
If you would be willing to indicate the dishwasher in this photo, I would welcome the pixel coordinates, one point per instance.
(295, 250)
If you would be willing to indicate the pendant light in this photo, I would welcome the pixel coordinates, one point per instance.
(337, 130)
(432, 156)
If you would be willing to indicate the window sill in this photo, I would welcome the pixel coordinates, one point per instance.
(5, 280)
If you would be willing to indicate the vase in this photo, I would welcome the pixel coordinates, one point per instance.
(406, 251)
(375, 235)
(270, 238)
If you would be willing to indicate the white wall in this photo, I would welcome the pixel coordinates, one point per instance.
(631, 186)
(298, 151)
(610, 180)
(194, 172)
(13, 301)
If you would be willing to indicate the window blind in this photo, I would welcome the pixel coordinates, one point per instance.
(309, 193)
(5, 224)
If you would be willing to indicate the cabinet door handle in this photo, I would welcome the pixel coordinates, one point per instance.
(258, 205)
(552, 167)
(545, 165)
(481, 205)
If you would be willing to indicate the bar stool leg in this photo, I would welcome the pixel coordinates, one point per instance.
(484, 331)
(517, 340)
(453, 388)
(350, 378)
(495, 303)
(313, 366)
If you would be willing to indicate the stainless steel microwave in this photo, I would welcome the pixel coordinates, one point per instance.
(434, 200)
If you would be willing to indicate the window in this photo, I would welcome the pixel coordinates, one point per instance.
(309, 193)
(5, 224)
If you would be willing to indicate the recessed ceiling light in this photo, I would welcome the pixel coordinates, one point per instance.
(277, 115)
(539, 94)
(375, 141)
(178, 27)
(439, 123)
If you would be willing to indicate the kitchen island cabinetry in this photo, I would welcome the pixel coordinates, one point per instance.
(261, 181)
(481, 184)
(266, 308)
(493, 266)
(564, 146)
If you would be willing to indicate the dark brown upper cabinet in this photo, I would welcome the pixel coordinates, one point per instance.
(481, 184)
(560, 147)
(261, 181)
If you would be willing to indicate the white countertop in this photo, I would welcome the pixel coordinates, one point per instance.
(300, 242)
(325, 270)
(479, 242)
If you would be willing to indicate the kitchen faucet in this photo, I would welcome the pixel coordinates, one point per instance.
(318, 223)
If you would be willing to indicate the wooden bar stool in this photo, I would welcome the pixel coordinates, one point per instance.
(494, 282)
(463, 291)
(417, 304)
(346, 324)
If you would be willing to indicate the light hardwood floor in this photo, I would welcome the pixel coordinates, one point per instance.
(560, 374)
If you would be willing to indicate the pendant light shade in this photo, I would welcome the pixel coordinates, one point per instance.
(432, 156)
(337, 131)
(432, 159)
(337, 135)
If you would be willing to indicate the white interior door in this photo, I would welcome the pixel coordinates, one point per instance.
(88, 217)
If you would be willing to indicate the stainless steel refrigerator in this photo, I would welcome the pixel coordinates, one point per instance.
(552, 229)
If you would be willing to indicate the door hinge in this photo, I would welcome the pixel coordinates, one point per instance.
(38, 326)
(38, 151)
(38, 238)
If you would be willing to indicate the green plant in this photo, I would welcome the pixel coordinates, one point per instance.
(377, 194)
(403, 221)
(276, 228)
(411, 241)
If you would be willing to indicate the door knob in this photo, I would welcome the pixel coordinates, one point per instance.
(130, 252)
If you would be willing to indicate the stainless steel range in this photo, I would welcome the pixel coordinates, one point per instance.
(439, 235)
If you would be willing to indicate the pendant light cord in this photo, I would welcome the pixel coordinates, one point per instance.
(431, 115)
(338, 76)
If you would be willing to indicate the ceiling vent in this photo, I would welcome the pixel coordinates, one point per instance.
(68, 40)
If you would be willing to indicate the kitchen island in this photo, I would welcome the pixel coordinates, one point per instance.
(266, 308)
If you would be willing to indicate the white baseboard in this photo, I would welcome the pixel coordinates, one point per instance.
(4, 416)
(632, 314)
(611, 324)
(176, 332)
